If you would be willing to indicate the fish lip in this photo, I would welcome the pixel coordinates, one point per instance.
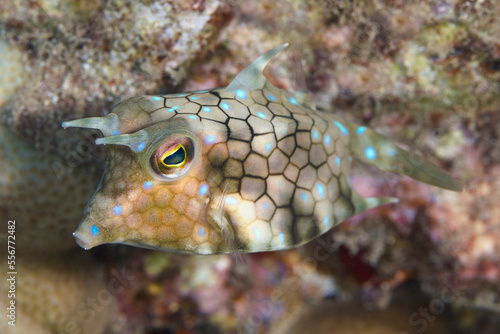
(83, 238)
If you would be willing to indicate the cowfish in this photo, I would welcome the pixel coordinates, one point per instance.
(244, 168)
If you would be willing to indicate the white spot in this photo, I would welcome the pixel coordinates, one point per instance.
(315, 134)
(241, 94)
(321, 189)
(327, 140)
(141, 146)
(230, 200)
(361, 130)
(256, 233)
(342, 128)
(94, 230)
(173, 109)
(370, 153)
(210, 139)
(117, 210)
(147, 185)
(203, 189)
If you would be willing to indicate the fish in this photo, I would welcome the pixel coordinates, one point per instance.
(244, 168)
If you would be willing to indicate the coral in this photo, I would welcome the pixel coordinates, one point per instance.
(12, 70)
(53, 280)
(34, 190)
(82, 59)
(59, 294)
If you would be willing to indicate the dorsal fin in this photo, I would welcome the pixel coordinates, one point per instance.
(251, 77)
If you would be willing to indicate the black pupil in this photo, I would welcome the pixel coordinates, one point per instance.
(176, 157)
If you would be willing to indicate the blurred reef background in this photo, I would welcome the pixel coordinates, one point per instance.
(425, 73)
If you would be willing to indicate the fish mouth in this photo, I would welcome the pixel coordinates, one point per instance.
(83, 235)
(81, 240)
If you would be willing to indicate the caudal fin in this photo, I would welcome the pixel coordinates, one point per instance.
(375, 149)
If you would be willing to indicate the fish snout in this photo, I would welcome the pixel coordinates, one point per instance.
(88, 234)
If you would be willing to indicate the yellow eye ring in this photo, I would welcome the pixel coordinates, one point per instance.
(174, 158)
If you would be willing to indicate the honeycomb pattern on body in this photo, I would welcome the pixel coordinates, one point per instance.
(280, 169)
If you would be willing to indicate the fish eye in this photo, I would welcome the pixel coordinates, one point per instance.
(173, 159)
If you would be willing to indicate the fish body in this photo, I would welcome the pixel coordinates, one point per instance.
(244, 168)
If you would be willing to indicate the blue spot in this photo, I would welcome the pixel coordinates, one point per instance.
(342, 128)
(268, 147)
(210, 139)
(321, 189)
(206, 109)
(281, 237)
(202, 232)
(192, 117)
(117, 210)
(94, 230)
(173, 108)
(327, 140)
(181, 95)
(141, 146)
(115, 133)
(271, 97)
(337, 161)
(370, 153)
(392, 152)
(361, 129)
(265, 206)
(241, 94)
(325, 221)
(147, 185)
(203, 189)
(304, 196)
(231, 201)
(256, 233)
(225, 106)
(202, 91)
(315, 134)
(157, 98)
(261, 114)
(194, 97)
(292, 100)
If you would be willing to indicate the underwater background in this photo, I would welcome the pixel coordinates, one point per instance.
(426, 74)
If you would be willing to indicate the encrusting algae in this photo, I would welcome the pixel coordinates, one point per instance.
(247, 168)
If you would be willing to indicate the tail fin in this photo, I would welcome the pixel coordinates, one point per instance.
(374, 149)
